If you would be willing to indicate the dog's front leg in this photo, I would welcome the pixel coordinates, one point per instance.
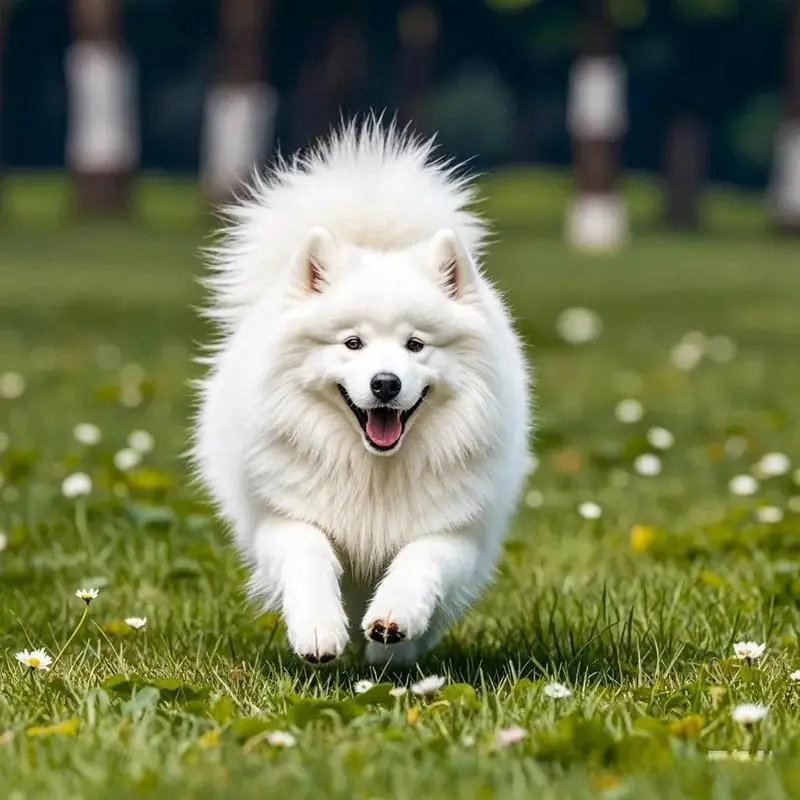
(430, 583)
(297, 573)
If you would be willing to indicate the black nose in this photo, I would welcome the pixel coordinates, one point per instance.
(385, 386)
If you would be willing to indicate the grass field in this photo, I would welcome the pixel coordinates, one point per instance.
(636, 611)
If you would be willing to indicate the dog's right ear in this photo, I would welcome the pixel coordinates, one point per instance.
(313, 259)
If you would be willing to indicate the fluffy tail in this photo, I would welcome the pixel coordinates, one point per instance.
(371, 185)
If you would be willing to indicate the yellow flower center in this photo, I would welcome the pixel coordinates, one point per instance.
(34, 662)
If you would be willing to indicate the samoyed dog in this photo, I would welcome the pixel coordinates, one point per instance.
(364, 422)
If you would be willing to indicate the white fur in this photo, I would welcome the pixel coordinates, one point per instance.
(364, 236)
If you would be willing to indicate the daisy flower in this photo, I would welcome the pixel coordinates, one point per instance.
(34, 659)
(428, 686)
(748, 714)
(137, 623)
(79, 484)
(280, 739)
(795, 676)
(126, 459)
(86, 433)
(743, 485)
(647, 464)
(557, 691)
(87, 595)
(398, 691)
(660, 438)
(507, 736)
(363, 686)
(590, 510)
(769, 515)
(774, 464)
(749, 651)
(141, 441)
(629, 411)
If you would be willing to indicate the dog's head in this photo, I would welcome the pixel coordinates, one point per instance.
(386, 337)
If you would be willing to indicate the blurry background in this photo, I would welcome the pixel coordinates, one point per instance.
(694, 90)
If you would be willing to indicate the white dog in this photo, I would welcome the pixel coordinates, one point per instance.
(364, 423)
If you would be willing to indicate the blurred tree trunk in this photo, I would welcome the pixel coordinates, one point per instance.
(418, 32)
(786, 167)
(684, 172)
(597, 118)
(102, 127)
(241, 107)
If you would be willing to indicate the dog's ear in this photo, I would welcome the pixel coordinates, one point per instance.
(314, 258)
(453, 265)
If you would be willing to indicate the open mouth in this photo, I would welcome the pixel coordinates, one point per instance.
(383, 426)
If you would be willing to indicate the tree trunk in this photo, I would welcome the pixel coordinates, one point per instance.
(241, 107)
(786, 168)
(597, 117)
(684, 172)
(102, 127)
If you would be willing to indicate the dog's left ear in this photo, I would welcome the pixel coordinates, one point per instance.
(314, 258)
(452, 263)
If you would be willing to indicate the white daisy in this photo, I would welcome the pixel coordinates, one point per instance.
(398, 691)
(686, 355)
(34, 659)
(280, 739)
(590, 510)
(772, 465)
(12, 385)
(795, 676)
(647, 464)
(137, 623)
(76, 485)
(363, 686)
(660, 438)
(750, 651)
(749, 714)
(141, 441)
(506, 736)
(87, 434)
(428, 686)
(557, 691)
(629, 410)
(579, 325)
(769, 514)
(87, 595)
(127, 459)
(743, 485)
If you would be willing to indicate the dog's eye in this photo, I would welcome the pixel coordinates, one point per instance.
(353, 343)
(414, 345)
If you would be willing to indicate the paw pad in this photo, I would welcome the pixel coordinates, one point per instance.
(385, 632)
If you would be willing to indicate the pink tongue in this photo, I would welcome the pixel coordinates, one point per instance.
(383, 427)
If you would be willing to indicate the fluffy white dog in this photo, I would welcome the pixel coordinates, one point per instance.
(364, 423)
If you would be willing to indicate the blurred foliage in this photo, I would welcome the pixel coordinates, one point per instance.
(497, 83)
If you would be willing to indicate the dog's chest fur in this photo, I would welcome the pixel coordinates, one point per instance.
(371, 506)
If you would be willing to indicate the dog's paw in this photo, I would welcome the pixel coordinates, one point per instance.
(319, 642)
(391, 621)
(385, 632)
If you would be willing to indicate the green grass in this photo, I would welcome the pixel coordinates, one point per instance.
(642, 634)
